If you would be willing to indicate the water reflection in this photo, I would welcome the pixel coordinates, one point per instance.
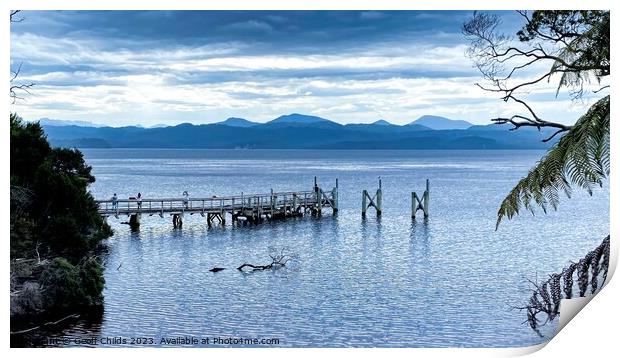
(84, 331)
(420, 233)
(389, 281)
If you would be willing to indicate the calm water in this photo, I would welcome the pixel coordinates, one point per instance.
(447, 282)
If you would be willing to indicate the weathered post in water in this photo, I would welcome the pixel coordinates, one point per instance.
(134, 222)
(295, 204)
(177, 221)
(335, 197)
(272, 206)
(418, 203)
(379, 198)
(375, 201)
(319, 198)
(364, 205)
(426, 199)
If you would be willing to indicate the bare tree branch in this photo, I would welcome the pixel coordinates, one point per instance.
(13, 17)
(279, 259)
(15, 89)
(600, 89)
(499, 60)
(554, 134)
(489, 47)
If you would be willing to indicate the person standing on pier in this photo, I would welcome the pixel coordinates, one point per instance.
(114, 202)
(139, 198)
(186, 198)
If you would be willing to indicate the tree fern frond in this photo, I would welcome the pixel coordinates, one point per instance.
(580, 158)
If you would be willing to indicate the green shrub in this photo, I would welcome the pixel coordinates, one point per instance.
(54, 221)
(70, 287)
(92, 281)
(61, 284)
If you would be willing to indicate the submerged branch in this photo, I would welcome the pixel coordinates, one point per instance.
(279, 259)
(74, 315)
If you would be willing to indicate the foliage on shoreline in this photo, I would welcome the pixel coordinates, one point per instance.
(55, 227)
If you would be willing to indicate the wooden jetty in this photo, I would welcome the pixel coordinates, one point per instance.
(252, 208)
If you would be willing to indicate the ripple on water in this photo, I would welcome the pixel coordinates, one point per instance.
(449, 281)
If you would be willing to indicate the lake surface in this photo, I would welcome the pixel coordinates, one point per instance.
(449, 281)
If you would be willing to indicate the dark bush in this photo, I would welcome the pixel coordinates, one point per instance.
(92, 281)
(60, 282)
(55, 226)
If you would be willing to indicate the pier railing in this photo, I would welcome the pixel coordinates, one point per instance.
(242, 208)
(219, 204)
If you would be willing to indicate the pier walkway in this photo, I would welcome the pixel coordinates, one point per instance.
(251, 208)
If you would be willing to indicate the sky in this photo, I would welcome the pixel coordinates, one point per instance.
(168, 67)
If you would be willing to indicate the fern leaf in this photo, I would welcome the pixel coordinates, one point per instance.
(580, 158)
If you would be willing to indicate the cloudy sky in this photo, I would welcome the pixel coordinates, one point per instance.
(168, 67)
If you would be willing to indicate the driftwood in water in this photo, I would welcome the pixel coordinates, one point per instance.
(75, 315)
(260, 267)
(279, 258)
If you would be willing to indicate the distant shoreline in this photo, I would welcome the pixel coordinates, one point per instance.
(300, 134)
(320, 149)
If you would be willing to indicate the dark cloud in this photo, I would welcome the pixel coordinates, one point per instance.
(228, 63)
(293, 28)
(335, 74)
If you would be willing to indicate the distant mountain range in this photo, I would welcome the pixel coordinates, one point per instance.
(382, 122)
(299, 131)
(60, 122)
(440, 123)
(431, 122)
(297, 118)
(237, 122)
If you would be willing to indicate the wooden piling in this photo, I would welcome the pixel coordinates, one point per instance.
(305, 203)
(418, 203)
(272, 205)
(316, 190)
(335, 197)
(375, 202)
(177, 221)
(211, 217)
(426, 199)
(364, 204)
(319, 198)
(379, 199)
(134, 222)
